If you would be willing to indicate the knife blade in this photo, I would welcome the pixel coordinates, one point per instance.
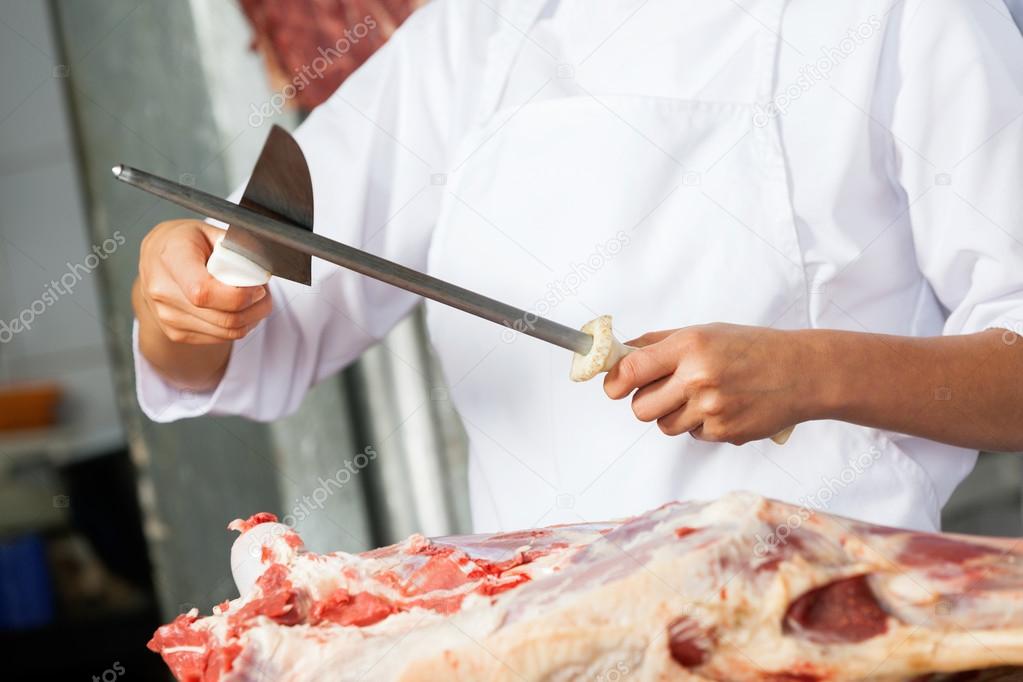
(274, 229)
(280, 187)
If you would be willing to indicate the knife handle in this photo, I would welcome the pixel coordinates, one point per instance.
(233, 269)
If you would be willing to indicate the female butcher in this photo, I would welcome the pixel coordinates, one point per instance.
(819, 204)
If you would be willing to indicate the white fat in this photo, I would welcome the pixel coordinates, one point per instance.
(908, 589)
(235, 269)
(183, 649)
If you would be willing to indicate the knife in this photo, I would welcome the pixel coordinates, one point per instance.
(270, 229)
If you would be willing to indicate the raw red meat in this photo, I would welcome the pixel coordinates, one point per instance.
(311, 46)
(738, 589)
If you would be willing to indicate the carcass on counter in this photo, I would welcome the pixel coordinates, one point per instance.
(738, 589)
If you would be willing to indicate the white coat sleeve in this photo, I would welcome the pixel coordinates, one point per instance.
(955, 71)
(377, 152)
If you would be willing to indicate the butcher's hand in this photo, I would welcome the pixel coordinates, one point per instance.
(187, 319)
(718, 382)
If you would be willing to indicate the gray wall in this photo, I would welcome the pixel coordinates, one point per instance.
(169, 87)
(135, 85)
(43, 233)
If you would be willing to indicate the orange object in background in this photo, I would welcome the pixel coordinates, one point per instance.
(28, 406)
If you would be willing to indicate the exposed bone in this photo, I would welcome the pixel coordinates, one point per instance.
(604, 354)
(782, 436)
(247, 553)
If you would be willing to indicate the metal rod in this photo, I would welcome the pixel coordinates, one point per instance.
(360, 261)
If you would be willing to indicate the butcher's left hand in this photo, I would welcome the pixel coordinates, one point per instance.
(719, 382)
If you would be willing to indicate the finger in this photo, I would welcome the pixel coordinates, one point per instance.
(192, 338)
(649, 338)
(185, 261)
(176, 322)
(248, 317)
(639, 368)
(685, 419)
(659, 398)
(211, 232)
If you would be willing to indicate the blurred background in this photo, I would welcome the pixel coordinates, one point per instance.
(111, 524)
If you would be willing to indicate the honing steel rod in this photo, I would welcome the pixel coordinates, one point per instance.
(360, 261)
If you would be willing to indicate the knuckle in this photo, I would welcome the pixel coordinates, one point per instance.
(164, 315)
(176, 335)
(703, 377)
(230, 321)
(634, 365)
(714, 431)
(697, 338)
(235, 334)
(199, 294)
(714, 404)
(627, 368)
(158, 292)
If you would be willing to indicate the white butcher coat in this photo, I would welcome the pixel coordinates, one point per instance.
(851, 165)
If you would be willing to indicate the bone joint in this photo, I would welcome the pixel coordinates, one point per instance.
(604, 354)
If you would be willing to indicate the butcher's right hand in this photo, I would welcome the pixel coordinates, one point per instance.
(187, 304)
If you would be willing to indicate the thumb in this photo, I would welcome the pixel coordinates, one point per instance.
(186, 262)
(639, 368)
(212, 233)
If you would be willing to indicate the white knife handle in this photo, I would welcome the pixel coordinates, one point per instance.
(234, 269)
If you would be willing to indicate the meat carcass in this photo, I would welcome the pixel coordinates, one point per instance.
(742, 588)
